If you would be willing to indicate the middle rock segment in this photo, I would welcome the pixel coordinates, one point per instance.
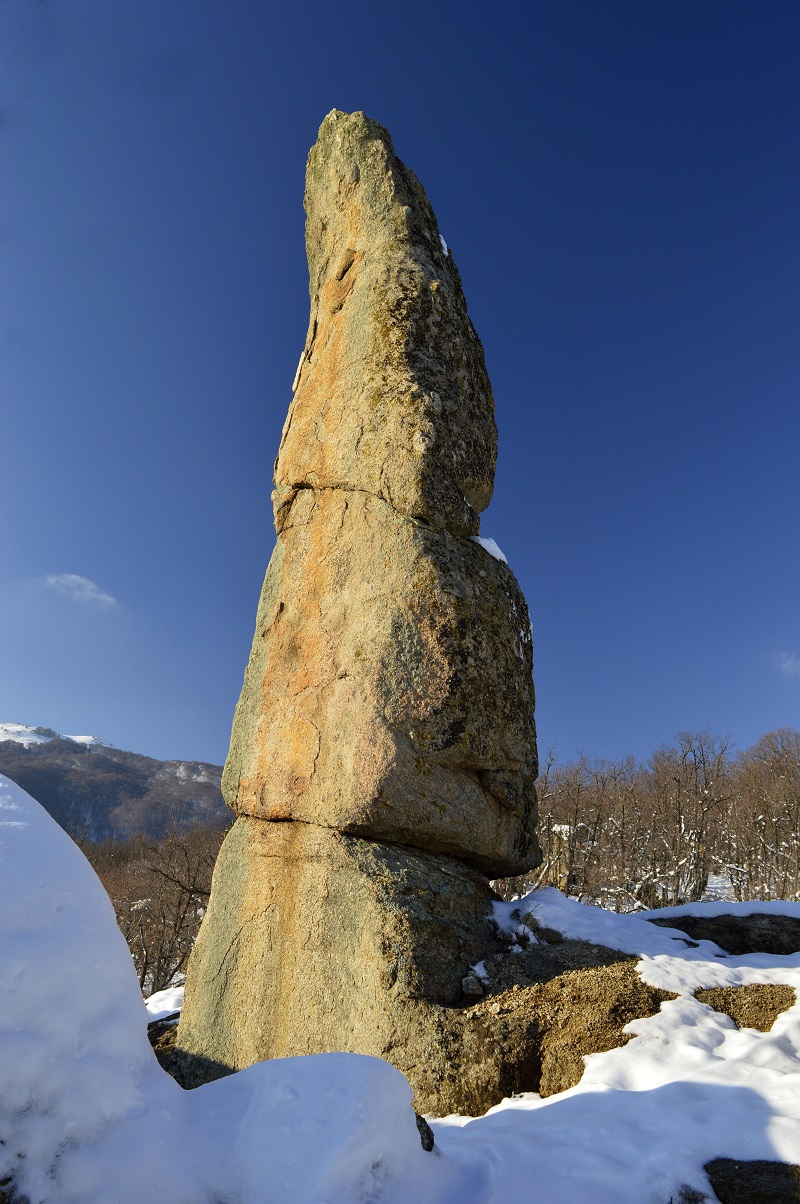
(385, 654)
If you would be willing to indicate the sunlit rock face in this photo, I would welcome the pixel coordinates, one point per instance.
(392, 395)
(389, 695)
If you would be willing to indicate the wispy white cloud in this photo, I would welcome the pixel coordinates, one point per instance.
(81, 589)
(788, 664)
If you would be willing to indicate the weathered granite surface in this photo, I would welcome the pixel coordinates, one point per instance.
(392, 394)
(318, 941)
(383, 753)
(389, 690)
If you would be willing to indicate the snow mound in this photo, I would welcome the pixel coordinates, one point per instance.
(74, 1055)
(87, 1116)
(164, 1003)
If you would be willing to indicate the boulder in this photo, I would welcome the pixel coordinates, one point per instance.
(317, 941)
(759, 932)
(754, 1182)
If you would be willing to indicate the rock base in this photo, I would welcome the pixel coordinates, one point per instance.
(406, 931)
(315, 941)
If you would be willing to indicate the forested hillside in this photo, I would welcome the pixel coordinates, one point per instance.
(96, 792)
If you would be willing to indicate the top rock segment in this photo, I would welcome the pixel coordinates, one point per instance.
(391, 394)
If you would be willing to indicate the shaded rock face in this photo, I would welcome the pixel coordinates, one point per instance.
(383, 753)
(319, 941)
(756, 1182)
(756, 933)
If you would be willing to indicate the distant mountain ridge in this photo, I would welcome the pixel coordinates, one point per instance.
(96, 792)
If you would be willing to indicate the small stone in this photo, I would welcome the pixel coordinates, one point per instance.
(471, 986)
(425, 1133)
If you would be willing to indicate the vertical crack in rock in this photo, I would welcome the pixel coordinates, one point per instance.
(387, 706)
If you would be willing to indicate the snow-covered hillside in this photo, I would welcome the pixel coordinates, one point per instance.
(24, 734)
(87, 1115)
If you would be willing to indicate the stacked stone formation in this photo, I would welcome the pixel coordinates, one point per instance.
(383, 752)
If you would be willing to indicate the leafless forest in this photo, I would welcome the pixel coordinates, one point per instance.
(696, 820)
(159, 890)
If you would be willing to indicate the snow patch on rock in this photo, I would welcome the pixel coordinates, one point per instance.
(489, 546)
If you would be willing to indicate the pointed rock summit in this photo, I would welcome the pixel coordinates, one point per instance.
(383, 754)
(391, 393)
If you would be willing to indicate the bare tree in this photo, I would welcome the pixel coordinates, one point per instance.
(159, 891)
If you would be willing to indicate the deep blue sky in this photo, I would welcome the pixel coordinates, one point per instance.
(619, 182)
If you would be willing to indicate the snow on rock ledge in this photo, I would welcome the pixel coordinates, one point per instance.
(489, 546)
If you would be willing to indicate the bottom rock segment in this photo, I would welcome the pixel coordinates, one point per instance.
(317, 942)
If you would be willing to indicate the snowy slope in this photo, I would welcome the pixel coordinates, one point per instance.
(87, 1116)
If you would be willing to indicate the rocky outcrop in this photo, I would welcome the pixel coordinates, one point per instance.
(755, 1182)
(391, 394)
(389, 689)
(737, 934)
(315, 940)
(383, 753)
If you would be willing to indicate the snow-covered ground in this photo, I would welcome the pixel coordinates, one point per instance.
(164, 1003)
(87, 1115)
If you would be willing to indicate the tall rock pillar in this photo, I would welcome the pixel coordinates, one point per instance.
(383, 752)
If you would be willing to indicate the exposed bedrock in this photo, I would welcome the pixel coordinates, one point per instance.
(383, 753)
